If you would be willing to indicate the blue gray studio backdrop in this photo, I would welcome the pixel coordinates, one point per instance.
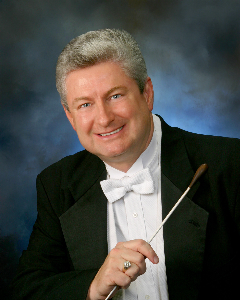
(192, 50)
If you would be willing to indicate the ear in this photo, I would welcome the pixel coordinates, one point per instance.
(149, 93)
(70, 117)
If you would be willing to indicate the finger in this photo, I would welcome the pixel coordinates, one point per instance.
(126, 254)
(129, 275)
(142, 247)
(109, 279)
(126, 265)
(133, 272)
(137, 260)
(122, 280)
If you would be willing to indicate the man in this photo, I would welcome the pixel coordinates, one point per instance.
(98, 208)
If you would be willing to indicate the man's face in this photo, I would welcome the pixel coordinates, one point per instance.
(111, 117)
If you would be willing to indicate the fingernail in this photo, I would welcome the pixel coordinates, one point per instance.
(156, 260)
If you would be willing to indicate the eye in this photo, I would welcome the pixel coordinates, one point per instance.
(84, 105)
(116, 96)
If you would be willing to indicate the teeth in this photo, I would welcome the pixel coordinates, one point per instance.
(115, 131)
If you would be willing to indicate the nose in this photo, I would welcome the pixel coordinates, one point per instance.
(104, 115)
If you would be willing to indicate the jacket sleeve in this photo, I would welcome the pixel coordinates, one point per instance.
(45, 269)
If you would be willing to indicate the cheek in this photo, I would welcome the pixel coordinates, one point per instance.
(83, 124)
(125, 110)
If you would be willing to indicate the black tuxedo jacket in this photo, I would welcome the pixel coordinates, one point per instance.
(201, 239)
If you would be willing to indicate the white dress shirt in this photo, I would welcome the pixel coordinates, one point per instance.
(136, 216)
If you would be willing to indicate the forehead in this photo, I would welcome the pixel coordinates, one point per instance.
(103, 76)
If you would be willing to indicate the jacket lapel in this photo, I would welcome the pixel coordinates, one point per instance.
(184, 243)
(84, 225)
(185, 231)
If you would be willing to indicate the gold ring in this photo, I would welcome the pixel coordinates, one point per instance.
(126, 266)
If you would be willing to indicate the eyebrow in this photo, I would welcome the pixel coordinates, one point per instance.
(114, 89)
(79, 99)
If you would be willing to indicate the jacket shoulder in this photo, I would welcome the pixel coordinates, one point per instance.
(65, 181)
(71, 169)
(223, 150)
(65, 166)
(220, 153)
(216, 147)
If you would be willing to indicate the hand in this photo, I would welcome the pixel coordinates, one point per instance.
(111, 273)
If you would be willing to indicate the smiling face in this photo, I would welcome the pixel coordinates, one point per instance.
(112, 118)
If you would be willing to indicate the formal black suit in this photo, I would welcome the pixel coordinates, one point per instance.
(201, 239)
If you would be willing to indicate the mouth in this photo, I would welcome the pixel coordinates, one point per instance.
(112, 132)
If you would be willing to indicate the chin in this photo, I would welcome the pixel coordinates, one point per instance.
(111, 155)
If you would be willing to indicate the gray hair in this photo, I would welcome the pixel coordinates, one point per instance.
(100, 46)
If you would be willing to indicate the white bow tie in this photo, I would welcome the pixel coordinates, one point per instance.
(140, 183)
